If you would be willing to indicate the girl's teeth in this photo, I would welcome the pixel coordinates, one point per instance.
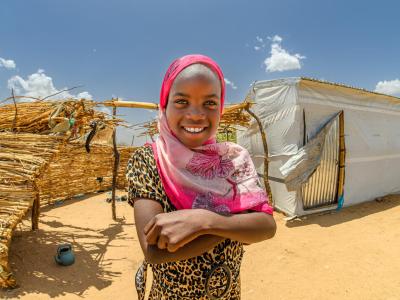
(193, 130)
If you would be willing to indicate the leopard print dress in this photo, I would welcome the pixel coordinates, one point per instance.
(213, 275)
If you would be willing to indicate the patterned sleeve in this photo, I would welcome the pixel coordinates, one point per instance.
(140, 176)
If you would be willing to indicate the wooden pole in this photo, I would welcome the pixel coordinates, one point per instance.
(115, 170)
(265, 145)
(16, 111)
(35, 208)
(342, 155)
(148, 105)
(304, 128)
(131, 104)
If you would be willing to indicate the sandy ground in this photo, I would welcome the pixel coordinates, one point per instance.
(353, 254)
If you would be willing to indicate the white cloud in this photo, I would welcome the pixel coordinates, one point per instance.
(259, 44)
(84, 95)
(7, 63)
(39, 85)
(275, 39)
(281, 60)
(230, 83)
(390, 87)
(104, 109)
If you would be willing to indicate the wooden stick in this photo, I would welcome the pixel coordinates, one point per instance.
(231, 108)
(35, 208)
(265, 145)
(130, 104)
(149, 105)
(16, 111)
(59, 92)
(342, 156)
(115, 169)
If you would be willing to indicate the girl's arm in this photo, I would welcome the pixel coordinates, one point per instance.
(145, 211)
(248, 228)
(175, 229)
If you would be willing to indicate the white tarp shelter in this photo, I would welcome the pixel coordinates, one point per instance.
(294, 110)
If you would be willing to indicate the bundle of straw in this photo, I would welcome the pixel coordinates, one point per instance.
(53, 116)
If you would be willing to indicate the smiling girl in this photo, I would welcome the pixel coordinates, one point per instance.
(196, 201)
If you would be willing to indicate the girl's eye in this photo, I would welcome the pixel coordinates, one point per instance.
(211, 103)
(181, 101)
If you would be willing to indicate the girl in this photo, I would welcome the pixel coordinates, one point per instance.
(196, 201)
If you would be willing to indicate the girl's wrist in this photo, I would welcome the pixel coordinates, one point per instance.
(210, 221)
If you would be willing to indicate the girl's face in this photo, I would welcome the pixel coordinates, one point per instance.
(193, 109)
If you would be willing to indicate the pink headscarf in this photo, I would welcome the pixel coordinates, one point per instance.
(181, 63)
(216, 176)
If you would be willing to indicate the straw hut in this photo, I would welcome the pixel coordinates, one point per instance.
(51, 151)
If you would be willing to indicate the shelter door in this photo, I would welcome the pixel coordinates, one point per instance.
(321, 188)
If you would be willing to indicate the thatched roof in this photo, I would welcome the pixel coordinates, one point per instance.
(70, 117)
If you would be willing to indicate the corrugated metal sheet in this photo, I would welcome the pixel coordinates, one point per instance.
(321, 188)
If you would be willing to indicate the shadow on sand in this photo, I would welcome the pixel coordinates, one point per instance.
(347, 214)
(36, 271)
(74, 200)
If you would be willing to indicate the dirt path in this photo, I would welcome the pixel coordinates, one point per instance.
(353, 254)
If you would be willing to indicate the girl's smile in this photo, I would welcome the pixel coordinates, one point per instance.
(193, 109)
(194, 130)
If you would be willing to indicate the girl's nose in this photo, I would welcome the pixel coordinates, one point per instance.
(196, 114)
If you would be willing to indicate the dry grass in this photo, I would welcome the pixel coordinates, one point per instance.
(45, 117)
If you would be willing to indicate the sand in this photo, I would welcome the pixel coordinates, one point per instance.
(352, 254)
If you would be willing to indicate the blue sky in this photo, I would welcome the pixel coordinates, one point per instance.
(122, 48)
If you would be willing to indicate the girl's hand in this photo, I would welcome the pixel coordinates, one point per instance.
(175, 229)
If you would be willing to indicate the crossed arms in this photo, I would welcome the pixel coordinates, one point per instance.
(182, 234)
